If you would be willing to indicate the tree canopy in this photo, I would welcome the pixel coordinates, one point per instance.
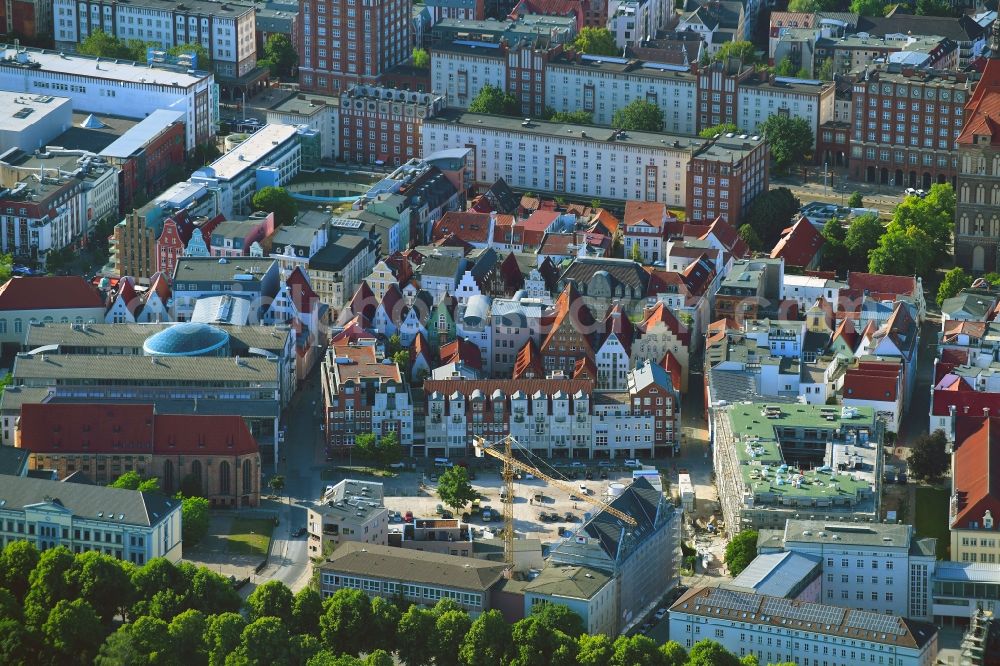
(929, 459)
(811, 6)
(132, 481)
(572, 117)
(740, 551)
(953, 282)
(868, 7)
(100, 43)
(919, 237)
(789, 138)
(421, 58)
(743, 51)
(194, 519)
(639, 116)
(934, 8)
(596, 41)
(855, 200)
(276, 200)
(494, 99)
(770, 213)
(280, 56)
(454, 488)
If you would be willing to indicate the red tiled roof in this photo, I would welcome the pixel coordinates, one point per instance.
(129, 430)
(509, 386)
(661, 314)
(798, 244)
(607, 220)
(977, 469)
(421, 347)
(363, 302)
(728, 236)
(50, 292)
(470, 227)
(617, 322)
(451, 240)
(982, 111)
(464, 351)
(873, 381)
(646, 211)
(161, 286)
(300, 291)
(354, 330)
(528, 364)
(357, 363)
(550, 8)
(890, 285)
(510, 272)
(956, 327)
(585, 368)
(127, 294)
(953, 391)
(848, 333)
(948, 360)
(673, 366)
(571, 307)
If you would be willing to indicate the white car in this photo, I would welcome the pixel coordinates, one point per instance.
(660, 612)
(632, 462)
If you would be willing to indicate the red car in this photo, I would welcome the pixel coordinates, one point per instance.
(408, 517)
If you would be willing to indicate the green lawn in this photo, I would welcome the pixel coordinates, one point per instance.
(249, 536)
(931, 514)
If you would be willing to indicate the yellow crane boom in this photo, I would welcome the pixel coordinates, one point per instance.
(510, 463)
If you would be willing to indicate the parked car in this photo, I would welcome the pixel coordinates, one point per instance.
(408, 517)
(632, 462)
(299, 532)
(576, 463)
(570, 517)
(395, 517)
(487, 515)
(589, 475)
(660, 613)
(446, 514)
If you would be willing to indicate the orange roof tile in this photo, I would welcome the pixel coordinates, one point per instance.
(977, 469)
(528, 364)
(798, 244)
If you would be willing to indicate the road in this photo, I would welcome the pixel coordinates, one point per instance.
(883, 198)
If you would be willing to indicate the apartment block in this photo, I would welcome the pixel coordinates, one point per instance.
(383, 126)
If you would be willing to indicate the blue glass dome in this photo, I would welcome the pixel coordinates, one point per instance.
(187, 339)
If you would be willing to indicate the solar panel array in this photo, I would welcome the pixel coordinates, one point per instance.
(882, 624)
(814, 613)
(737, 601)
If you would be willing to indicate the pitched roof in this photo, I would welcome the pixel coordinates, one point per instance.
(729, 237)
(393, 303)
(606, 220)
(649, 212)
(127, 294)
(50, 292)
(899, 328)
(617, 322)
(953, 328)
(528, 364)
(640, 501)
(673, 367)
(510, 273)
(159, 286)
(499, 197)
(571, 307)
(959, 394)
(362, 303)
(301, 292)
(798, 244)
(878, 382)
(882, 285)
(977, 469)
(462, 350)
(508, 387)
(585, 368)
(661, 314)
(847, 333)
(421, 347)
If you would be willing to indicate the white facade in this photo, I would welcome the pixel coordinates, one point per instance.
(812, 103)
(325, 120)
(612, 364)
(460, 74)
(226, 31)
(634, 21)
(776, 631)
(515, 321)
(617, 432)
(602, 89)
(106, 87)
(575, 160)
(473, 322)
(806, 290)
(33, 120)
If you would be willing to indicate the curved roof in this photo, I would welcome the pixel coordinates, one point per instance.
(186, 339)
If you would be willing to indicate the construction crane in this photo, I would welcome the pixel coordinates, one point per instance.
(510, 463)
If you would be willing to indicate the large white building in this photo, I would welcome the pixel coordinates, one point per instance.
(109, 87)
(33, 121)
(601, 85)
(270, 156)
(882, 568)
(783, 630)
(634, 21)
(759, 98)
(227, 30)
(124, 524)
(459, 70)
(558, 158)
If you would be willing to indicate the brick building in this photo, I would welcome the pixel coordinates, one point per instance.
(384, 126)
(570, 334)
(341, 43)
(134, 251)
(906, 123)
(977, 226)
(214, 456)
(28, 18)
(725, 176)
(526, 66)
(717, 96)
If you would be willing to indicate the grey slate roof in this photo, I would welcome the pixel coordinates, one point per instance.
(99, 368)
(640, 501)
(439, 265)
(13, 461)
(778, 574)
(399, 564)
(339, 252)
(114, 505)
(568, 581)
(624, 271)
(882, 535)
(349, 497)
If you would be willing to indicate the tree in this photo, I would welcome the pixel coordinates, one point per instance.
(855, 200)
(48, 584)
(573, 118)
(835, 253)
(810, 6)
(280, 55)
(771, 212)
(272, 599)
(673, 654)
(596, 41)
(639, 116)
(903, 252)
(17, 561)
(723, 129)
(327, 658)
(73, 632)
(104, 583)
(750, 237)
(416, 636)
(307, 606)
(189, 48)
(740, 551)
(100, 43)
(934, 8)
(276, 200)
(636, 253)
(784, 67)
(487, 642)
(194, 519)
(802, 73)
(559, 617)
(709, 653)
(929, 459)
(933, 215)
(454, 488)
(213, 594)
(862, 237)
(826, 70)
(790, 139)
(222, 636)
(132, 481)
(277, 483)
(449, 632)
(263, 642)
(743, 51)
(145, 642)
(868, 7)
(594, 650)
(402, 360)
(535, 644)
(187, 633)
(992, 278)
(346, 619)
(954, 281)
(9, 606)
(421, 59)
(636, 650)
(385, 621)
(494, 99)
(749, 659)
(389, 449)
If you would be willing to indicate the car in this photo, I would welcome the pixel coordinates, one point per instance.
(408, 517)
(395, 517)
(570, 517)
(910, 191)
(397, 465)
(299, 532)
(632, 462)
(434, 478)
(604, 463)
(447, 515)
(921, 193)
(660, 613)
(576, 463)
(487, 515)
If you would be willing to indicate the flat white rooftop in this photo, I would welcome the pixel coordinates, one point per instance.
(100, 68)
(18, 111)
(248, 154)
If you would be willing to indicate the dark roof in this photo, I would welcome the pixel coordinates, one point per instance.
(339, 252)
(623, 271)
(640, 501)
(499, 198)
(13, 460)
(961, 29)
(114, 505)
(442, 265)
